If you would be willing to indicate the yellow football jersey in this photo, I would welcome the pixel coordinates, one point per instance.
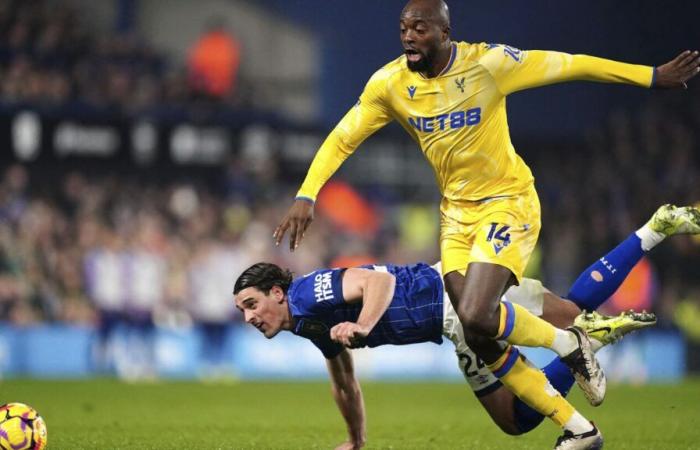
(459, 117)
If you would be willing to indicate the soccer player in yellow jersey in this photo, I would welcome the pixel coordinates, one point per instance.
(450, 97)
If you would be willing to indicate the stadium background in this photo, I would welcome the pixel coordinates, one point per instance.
(134, 189)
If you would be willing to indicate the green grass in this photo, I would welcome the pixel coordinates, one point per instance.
(106, 414)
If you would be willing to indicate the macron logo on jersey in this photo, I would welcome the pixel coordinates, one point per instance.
(322, 287)
(454, 120)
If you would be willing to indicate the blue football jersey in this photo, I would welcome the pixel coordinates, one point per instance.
(414, 315)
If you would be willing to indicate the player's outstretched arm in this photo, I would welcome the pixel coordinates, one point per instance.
(368, 115)
(375, 290)
(348, 397)
(675, 74)
(514, 70)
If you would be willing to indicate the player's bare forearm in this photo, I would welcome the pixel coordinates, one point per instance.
(351, 406)
(348, 397)
(377, 294)
(375, 290)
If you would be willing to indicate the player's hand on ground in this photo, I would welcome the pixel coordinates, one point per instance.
(349, 334)
(297, 220)
(676, 73)
(348, 445)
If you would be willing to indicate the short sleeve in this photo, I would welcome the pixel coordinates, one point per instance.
(317, 293)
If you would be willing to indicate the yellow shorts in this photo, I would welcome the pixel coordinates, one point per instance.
(499, 230)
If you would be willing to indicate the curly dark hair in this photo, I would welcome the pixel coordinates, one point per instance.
(263, 276)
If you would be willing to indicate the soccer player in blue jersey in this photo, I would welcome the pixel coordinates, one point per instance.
(377, 305)
(450, 97)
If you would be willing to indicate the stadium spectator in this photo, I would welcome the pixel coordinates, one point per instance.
(213, 62)
(210, 306)
(105, 283)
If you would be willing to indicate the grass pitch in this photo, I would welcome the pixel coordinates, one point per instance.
(106, 414)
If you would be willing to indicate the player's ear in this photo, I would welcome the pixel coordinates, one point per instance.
(277, 293)
(445, 33)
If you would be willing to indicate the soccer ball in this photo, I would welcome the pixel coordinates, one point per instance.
(21, 428)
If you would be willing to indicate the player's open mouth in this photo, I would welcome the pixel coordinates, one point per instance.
(413, 55)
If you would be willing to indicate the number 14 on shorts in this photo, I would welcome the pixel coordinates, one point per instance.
(498, 236)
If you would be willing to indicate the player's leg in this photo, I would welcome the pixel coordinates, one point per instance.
(603, 330)
(505, 408)
(595, 285)
(499, 237)
(510, 413)
(497, 400)
(514, 371)
(507, 411)
(563, 313)
(601, 280)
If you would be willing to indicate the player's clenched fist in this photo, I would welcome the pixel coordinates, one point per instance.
(349, 334)
(297, 220)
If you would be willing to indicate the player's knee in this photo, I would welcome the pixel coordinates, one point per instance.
(475, 328)
(477, 321)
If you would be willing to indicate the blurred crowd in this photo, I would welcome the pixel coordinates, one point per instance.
(76, 247)
(50, 57)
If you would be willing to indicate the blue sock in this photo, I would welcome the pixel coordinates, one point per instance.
(560, 378)
(597, 283)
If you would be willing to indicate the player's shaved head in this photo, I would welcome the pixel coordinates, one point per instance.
(435, 11)
(425, 35)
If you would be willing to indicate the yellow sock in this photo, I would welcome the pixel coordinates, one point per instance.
(520, 327)
(531, 386)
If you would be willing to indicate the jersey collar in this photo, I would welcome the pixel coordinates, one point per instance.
(453, 53)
